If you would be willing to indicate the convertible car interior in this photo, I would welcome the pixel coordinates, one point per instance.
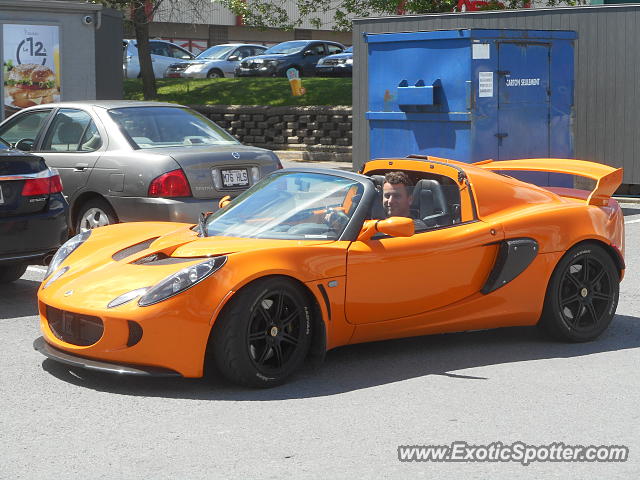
(435, 199)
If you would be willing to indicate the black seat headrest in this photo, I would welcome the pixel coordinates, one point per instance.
(429, 203)
(377, 210)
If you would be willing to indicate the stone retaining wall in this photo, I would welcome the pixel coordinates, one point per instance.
(308, 129)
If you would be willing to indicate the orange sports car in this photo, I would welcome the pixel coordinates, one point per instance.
(308, 260)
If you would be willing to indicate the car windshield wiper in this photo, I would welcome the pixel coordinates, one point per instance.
(202, 223)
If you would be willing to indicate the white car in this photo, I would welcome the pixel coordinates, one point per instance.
(215, 62)
(163, 54)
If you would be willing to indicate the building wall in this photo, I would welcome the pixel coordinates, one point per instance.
(81, 77)
(607, 66)
(212, 13)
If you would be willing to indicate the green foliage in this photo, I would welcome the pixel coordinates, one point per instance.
(273, 13)
(245, 91)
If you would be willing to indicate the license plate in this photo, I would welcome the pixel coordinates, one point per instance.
(235, 178)
(173, 75)
(1, 196)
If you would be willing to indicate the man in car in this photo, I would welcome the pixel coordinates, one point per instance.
(396, 197)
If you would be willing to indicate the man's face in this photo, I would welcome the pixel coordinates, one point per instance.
(396, 200)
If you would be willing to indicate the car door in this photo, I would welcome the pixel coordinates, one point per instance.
(25, 128)
(72, 144)
(234, 59)
(390, 278)
(313, 53)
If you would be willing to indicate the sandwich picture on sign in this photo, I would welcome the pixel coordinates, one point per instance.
(31, 66)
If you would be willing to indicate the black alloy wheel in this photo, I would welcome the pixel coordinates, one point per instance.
(583, 294)
(264, 334)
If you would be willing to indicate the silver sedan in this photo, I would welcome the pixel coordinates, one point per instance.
(132, 161)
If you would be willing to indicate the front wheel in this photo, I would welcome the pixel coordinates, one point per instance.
(582, 295)
(215, 74)
(263, 335)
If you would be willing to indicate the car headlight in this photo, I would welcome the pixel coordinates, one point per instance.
(181, 281)
(195, 66)
(349, 61)
(258, 60)
(65, 250)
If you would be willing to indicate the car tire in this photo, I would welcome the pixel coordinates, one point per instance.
(215, 73)
(11, 273)
(263, 335)
(582, 295)
(93, 214)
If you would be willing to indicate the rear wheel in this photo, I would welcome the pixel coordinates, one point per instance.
(11, 273)
(582, 295)
(263, 335)
(93, 214)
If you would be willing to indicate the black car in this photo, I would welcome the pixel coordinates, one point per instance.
(303, 55)
(33, 212)
(339, 65)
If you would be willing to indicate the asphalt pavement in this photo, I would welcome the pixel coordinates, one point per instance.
(345, 419)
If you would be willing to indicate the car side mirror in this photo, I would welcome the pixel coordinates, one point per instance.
(392, 226)
(233, 58)
(224, 201)
(25, 144)
(307, 53)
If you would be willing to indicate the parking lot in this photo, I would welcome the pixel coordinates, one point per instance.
(345, 419)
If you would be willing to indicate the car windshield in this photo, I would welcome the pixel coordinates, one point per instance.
(290, 205)
(215, 53)
(156, 127)
(287, 47)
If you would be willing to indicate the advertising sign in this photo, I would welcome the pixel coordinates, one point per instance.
(31, 69)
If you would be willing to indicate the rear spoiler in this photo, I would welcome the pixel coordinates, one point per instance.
(608, 178)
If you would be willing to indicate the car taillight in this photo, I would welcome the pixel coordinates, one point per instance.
(170, 184)
(42, 186)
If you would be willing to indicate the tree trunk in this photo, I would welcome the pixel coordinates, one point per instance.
(141, 26)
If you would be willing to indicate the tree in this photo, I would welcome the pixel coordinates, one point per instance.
(274, 13)
(140, 13)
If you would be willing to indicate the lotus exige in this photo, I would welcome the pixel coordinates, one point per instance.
(305, 261)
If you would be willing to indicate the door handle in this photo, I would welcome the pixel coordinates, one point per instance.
(80, 167)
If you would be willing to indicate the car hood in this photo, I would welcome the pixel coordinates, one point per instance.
(119, 258)
(271, 56)
(199, 161)
(339, 55)
(127, 243)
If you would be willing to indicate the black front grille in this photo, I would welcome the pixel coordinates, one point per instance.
(74, 328)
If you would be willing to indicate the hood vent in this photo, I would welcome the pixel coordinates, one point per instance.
(138, 247)
(161, 259)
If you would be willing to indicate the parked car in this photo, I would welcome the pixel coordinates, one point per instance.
(215, 62)
(33, 212)
(338, 65)
(303, 55)
(129, 161)
(307, 261)
(163, 54)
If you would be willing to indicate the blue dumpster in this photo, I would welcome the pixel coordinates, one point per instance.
(473, 94)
